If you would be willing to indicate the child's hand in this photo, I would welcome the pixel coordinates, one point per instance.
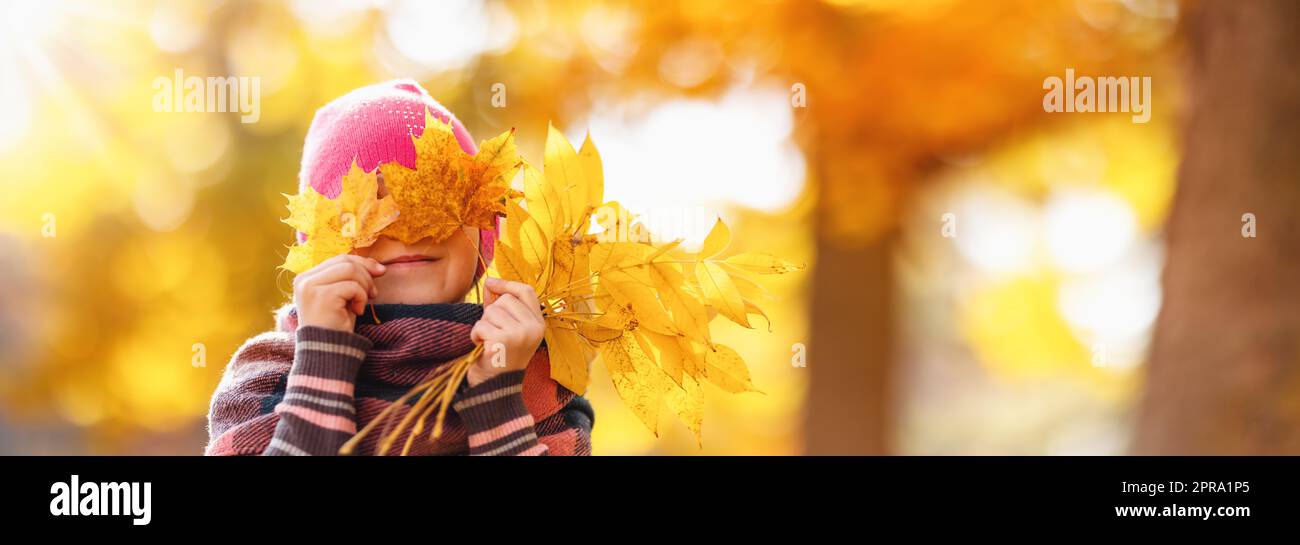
(510, 331)
(331, 295)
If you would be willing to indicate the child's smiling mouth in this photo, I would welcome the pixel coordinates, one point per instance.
(412, 260)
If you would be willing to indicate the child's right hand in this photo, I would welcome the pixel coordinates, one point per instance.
(331, 295)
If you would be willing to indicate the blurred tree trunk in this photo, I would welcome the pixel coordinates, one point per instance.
(850, 352)
(1225, 360)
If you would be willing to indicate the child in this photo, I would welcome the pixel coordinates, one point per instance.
(332, 367)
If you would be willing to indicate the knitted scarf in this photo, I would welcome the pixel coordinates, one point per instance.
(409, 342)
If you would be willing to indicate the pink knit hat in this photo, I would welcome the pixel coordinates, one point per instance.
(374, 125)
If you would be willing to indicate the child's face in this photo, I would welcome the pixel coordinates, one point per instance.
(424, 272)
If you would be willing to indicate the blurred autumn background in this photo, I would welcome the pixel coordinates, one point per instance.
(984, 277)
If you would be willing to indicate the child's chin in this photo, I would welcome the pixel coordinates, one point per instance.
(413, 295)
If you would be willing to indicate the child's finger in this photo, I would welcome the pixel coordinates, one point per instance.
(370, 266)
(374, 267)
(341, 258)
(345, 271)
(498, 316)
(351, 293)
(335, 272)
(483, 331)
(520, 290)
(516, 308)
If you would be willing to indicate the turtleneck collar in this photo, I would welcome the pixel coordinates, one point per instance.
(464, 313)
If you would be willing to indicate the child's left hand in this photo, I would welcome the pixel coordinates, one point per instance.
(510, 331)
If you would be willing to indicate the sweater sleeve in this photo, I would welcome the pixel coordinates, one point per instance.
(499, 423)
(318, 413)
(496, 418)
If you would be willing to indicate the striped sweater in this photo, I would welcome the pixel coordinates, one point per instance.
(308, 392)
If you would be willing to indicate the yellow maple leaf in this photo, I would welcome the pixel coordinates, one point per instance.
(449, 188)
(336, 226)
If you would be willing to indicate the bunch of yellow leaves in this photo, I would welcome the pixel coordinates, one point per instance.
(642, 309)
(448, 189)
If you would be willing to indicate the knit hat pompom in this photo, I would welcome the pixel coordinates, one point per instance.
(374, 125)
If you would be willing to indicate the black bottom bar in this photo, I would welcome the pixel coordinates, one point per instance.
(397, 496)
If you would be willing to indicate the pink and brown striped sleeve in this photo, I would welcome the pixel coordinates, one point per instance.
(496, 418)
(318, 413)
